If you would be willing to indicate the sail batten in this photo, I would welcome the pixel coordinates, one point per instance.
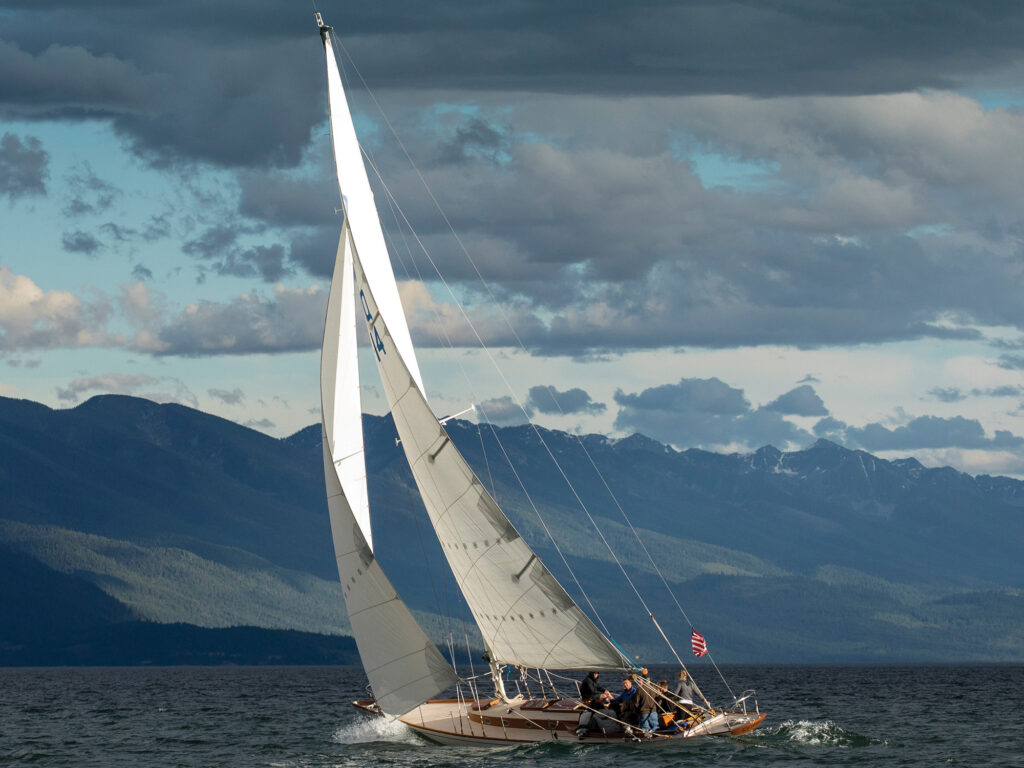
(525, 616)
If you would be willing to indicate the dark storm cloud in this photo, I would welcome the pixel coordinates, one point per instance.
(265, 261)
(240, 83)
(923, 432)
(801, 401)
(213, 242)
(218, 246)
(180, 81)
(1011, 362)
(703, 412)
(55, 79)
(564, 141)
(547, 399)
(630, 248)
(315, 250)
(24, 166)
(80, 242)
(288, 200)
(476, 138)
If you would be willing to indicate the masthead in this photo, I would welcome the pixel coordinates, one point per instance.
(324, 29)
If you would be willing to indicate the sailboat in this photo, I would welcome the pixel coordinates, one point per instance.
(526, 618)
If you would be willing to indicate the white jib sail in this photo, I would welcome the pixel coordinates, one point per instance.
(361, 212)
(524, 614)
(403, 666)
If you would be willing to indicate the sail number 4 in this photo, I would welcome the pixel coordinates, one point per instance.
(375, 340)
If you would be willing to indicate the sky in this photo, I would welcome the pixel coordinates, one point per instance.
(720, 224)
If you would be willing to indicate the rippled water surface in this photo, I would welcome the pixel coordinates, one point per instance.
(287, 716)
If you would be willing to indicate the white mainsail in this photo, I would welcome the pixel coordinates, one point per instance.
(360, 209)
(403, 666)
(524, 614)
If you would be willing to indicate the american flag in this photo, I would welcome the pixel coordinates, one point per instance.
(698, 643)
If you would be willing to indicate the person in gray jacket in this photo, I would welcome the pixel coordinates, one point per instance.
(685, 690)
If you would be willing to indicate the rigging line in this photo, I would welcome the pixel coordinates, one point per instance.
(483, 451)
(515, 335)
(439, 334)
(493, 362)
(448, 613)
(640, 541)
(450, 345)
(724, 681)
(544, 524)
(486, 285)
(533, 426)
(442, 336)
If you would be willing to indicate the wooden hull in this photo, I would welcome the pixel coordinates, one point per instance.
(488, 722)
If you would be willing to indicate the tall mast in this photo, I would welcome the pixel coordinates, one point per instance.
(404, 667)
(360, 209)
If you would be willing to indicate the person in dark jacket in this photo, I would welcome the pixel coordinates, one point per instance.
(589, 689)
(602, 719)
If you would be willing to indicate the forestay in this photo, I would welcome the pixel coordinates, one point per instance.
(403, 666)
(361, 212)
(524, 614)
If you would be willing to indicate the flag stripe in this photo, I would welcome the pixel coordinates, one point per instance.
(698, 644)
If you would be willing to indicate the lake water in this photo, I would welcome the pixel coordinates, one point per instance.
(300, 717)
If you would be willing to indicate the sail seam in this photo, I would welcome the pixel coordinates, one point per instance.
(557, 644)
(339, 460)
(359, 611)
(413, 682)
(395, 660)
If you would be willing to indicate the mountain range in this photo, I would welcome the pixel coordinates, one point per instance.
(137, 532)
